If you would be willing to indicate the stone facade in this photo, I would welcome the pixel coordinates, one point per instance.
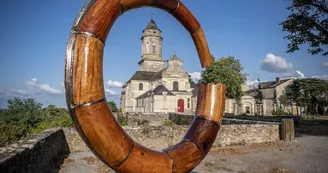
(271, 91)
(161, 137)
(154, 88)
(36, 153)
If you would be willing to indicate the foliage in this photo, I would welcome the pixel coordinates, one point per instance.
(123, 120)
(283, 99)
(279, 111)
(19, 111)
(307, 92)
(24, 117)
(112, 106)
(228, 71)
(307, 23)
(59, 121)
(168, 123)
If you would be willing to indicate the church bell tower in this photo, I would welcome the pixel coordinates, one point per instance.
(151, 53)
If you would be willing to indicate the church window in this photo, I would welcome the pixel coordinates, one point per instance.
(154, 48)
(175, 86)
(140, 86)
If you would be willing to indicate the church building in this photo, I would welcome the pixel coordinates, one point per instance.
(156, 87)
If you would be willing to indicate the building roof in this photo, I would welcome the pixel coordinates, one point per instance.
(175, 57)
(252, 92)
(157, 91)
(158, 75)
(152, 25)
(272, 84)
(142, 75)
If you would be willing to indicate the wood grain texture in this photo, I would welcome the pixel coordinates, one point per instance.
(202, 48)
(144, 160)
(100, 17)
(186, 18)
(87, 70)
(185, 156)
(203, 133)
(104, 133)
(101, 130)
(211, 101)
(166, 5)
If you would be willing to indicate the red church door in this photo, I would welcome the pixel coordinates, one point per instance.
(180, 105)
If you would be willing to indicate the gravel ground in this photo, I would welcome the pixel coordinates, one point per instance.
(307, 154)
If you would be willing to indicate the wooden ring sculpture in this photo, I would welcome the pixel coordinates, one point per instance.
(87, 103)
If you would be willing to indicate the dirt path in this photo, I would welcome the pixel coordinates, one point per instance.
(308, 154)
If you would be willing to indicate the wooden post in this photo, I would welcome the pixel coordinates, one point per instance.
(287, 129)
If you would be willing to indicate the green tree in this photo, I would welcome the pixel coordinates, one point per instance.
(27, 111)
(306, 92)
(112, 106)
(229, 71)
(307, 23)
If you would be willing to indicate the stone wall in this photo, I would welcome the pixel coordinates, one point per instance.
(160, 137)
(41, 152)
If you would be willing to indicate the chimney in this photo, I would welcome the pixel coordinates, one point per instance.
(277, 80)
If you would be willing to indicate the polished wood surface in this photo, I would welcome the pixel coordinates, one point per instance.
(91, 114)
(185, 156)
(87, 70)
(211, 101)
(100, 17)
(104, 133)
(144, 160)
(186, 18)
(166, 5)
(202, 48)
(202, 132)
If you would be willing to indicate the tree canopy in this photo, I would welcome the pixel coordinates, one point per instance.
(307, 23)
(112, 106)
(227, 70)
(308, 91)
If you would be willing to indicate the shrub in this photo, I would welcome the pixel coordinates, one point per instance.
(123, 120)
(168, 123)
(60, 121)
(11, 133)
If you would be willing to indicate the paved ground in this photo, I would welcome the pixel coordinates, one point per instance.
(308, 154)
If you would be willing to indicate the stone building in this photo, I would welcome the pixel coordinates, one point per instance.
(159, 88)
(154, 87)
(261, 101)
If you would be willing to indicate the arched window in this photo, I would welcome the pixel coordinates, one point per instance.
(154, 48)
(175, 86)
(140, 86)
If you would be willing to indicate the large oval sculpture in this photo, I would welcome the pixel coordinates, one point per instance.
(91, 115)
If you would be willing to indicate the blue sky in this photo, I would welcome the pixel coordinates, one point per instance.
(34, 35)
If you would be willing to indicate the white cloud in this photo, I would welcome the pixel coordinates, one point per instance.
(45, 88)
(110, 92)
(324, 77)
(325, 64)
(12, 92)
(275, 64)
(300, 74)
(115, 84)
(195, 76)
(252, 83)
(279, 65)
